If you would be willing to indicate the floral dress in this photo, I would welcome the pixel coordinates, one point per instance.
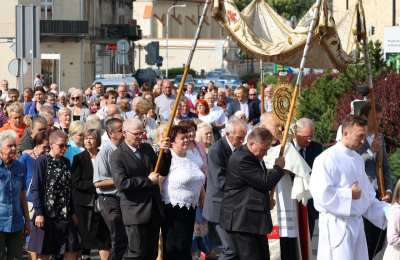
(58, 195)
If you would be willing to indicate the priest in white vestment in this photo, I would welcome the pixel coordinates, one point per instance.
(343, 195)
(288, 191)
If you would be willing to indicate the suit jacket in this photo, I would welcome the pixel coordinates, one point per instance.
(138, 195)
(312, 151)
(218, 156)
(245, 204)
(83, 189)
(254, 110)
(370, 164)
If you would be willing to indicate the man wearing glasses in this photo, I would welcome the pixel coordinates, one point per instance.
(138, 190)
(309, 150)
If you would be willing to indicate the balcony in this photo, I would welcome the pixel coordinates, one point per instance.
(64, 28)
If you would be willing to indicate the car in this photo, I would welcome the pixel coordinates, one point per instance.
(189, 79)
(230, 80)
(114, 80)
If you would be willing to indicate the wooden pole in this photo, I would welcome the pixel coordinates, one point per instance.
(262, 87)
(300, 75)
(379, 157)
(305, 243)
(182, 83)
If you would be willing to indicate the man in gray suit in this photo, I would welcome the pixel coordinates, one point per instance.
(218, 157)
(369, 150)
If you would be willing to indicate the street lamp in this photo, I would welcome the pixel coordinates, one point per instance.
(167, 35)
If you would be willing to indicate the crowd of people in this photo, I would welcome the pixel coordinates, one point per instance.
(77, 176)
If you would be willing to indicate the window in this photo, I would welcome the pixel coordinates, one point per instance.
(46, 9)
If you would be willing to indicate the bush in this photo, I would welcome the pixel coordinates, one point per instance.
(394, 162)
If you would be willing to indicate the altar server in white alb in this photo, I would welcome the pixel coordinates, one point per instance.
(343, 195)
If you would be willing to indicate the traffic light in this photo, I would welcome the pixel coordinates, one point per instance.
(152, 55)
(159, 61)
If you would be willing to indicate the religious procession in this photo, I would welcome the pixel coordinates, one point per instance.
(300, 164)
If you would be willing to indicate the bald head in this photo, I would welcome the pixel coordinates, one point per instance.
(112, 109)
(268, 121)
(304, 130)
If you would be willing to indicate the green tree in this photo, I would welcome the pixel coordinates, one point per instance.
(286, 8)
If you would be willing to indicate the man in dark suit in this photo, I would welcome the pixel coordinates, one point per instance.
(309, 150)
(369, 151)
(245, 212)
(250, 108)
(218, 156)
(137, 185)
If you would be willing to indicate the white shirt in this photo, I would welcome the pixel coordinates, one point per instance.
(216, 115)
(192, 97)
(183, 183)
(244, 107)
(102, 113)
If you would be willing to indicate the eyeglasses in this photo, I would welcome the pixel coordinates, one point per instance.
(137, 133)
(75, 98)
(62, 145)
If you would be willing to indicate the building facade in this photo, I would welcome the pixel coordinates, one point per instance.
(378, 14)
(77, 40)
(214, 49)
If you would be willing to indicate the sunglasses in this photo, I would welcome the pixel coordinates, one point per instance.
(75, 98)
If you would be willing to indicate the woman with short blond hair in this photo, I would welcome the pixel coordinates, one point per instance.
(79, 112)
(15, 122)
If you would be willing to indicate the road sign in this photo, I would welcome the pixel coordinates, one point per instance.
(123, 46)
(13, 67)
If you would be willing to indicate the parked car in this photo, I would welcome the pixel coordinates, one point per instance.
(114, 80)
(189, 79)
(230, 80)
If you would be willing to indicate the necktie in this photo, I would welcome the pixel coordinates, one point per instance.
(302, 153)
(138, 155)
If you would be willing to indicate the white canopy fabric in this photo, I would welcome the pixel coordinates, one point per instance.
(262, 33)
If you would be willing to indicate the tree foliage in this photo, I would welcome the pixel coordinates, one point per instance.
(286, 8)
(328, 99)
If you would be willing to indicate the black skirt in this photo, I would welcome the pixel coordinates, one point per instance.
(92, 229)
(56, 238)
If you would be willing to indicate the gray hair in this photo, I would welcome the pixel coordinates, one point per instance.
(132, 124)
(234, 123)
(7, 135)
(39, 119)
(62, 94)
(303, 123)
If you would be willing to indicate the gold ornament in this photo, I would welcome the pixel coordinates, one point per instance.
(281, 101)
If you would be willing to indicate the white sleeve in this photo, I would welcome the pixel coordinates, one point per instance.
(375, 213)
(327, 196)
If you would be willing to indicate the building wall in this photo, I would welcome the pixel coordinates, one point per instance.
(67, 10)
(7, 40)
(182, 21)
(208, 54)
(73, 74)
(378, 13)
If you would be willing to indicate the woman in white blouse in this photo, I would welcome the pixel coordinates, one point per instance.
(180, 192)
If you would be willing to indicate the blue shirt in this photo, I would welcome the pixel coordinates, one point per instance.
(12, 183)
(28, 162)
(72, 150)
